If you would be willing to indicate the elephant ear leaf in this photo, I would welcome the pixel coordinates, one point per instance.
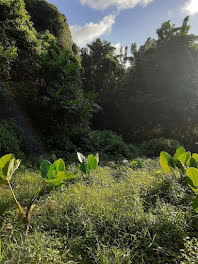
(12, 167)
(92, 161)
(184, 157)
(61, 177)
(4, 164)
(166, 161)
(195, 157)
(44, 168)
(81, 158)
(60, 165)
(192, 178)
(178, 152)
(191, 163)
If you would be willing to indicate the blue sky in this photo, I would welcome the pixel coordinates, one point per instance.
(123, 22)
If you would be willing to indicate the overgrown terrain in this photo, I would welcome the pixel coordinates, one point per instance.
(56, 100)
(117, 214)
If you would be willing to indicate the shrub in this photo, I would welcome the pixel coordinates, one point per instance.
(111, 146)
(107, 143)
(154, 146)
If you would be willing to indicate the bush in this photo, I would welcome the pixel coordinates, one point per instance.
(107, 143)
(154, 146)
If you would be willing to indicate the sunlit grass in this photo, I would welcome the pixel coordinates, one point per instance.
(114, 215)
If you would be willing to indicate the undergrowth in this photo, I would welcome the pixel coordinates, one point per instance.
(115, 215)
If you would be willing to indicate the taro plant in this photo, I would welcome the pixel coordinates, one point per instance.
(186, 164)
(8, 166)
(54, 174)
(89, 163)
(181, 161)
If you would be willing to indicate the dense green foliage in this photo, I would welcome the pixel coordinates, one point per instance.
(186, 164)
(45, 16)
(159, 89)
(41, 73)
(163, 79)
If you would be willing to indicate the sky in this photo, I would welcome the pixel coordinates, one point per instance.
(123, 22)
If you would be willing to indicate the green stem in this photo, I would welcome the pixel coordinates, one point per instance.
(10, 186)
(17, 203)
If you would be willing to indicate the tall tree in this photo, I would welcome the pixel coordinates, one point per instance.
(161, 86)
(103, 74)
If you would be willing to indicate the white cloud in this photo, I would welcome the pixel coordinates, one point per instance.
(117, 47)
(84, 34)
(119, 4)
(190, 7)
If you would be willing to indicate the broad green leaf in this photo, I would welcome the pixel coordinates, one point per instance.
(60, 165)
(180, 165)
(44, 168)
(184, 157)
(12, 167)
(81, 158)
(192, 178)
(166, 161)
(178, 152)
(92, 161)
(191, 163)
(4, 163)
(195, 204)
(195, 156)
(61, 176)
(52, 171)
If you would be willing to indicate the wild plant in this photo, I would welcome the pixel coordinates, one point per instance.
(186, 164)
(54, 174)
(89, 163)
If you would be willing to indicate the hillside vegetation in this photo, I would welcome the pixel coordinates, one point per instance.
(58, 100)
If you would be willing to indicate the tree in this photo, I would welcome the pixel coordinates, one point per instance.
(161, 86)
(103, 74)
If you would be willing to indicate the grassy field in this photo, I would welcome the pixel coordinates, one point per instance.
(115, 215)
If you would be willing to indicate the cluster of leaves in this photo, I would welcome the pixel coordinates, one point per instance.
(89, 163)
(55, 173)
(185, 163)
